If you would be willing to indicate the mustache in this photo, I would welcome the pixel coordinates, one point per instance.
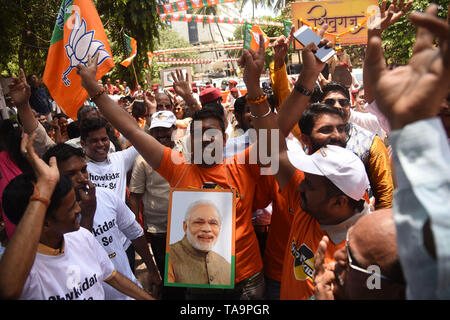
(336, 142)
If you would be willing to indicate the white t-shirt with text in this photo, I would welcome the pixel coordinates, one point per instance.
(112, 215)
(75, 274)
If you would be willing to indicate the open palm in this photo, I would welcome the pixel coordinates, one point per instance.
(413, 92)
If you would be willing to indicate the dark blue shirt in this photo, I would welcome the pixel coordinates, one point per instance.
(39, 100)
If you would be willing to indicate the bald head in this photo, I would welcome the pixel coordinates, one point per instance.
(373, 241)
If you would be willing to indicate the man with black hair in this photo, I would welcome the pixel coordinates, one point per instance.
(206, 165)
(367, 145)
(107, 170)
(149, 188)
(329, 185)
(106, 216)
(322, 124)
(337, 95)
(49, 256)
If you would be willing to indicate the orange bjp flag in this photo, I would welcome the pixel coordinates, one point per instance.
(251, 37)
(78, 34)
(132, 50)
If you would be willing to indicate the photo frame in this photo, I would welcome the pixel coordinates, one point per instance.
(200, 247)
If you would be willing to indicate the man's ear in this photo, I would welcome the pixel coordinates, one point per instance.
(82, 143)
(306, 140)
(184, 226)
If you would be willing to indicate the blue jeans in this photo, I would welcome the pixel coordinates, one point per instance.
(272, 289)
(251, 288)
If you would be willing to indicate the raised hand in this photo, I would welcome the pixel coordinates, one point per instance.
(324, 277)
(181, 84)
(19, 89)
(88, 76)
(253, 63)
(311, 65)
(413, 92)
(150, 101)
(377, 24)
(47, 175)
(281, 47)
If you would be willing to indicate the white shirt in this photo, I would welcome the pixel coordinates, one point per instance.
(76, 274)
(112, 215)
(384, 122)
(112, 173)
(367, 121)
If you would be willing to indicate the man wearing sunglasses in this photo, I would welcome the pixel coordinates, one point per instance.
(367, 267)
(163, 102)
(365, 144)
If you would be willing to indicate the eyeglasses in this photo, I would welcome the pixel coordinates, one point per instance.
(342, 102)
(352, 264)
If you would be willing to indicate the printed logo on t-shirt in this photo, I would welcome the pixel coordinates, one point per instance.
(106, 180)
(78, 287)
(303, 261)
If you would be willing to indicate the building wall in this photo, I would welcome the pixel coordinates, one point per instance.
(209, 33)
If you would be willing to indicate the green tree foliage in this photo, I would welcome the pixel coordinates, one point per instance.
(398, 40)
(27, 27)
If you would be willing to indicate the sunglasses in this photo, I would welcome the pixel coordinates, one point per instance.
(342, 102)
(163, 106)
(354, 265)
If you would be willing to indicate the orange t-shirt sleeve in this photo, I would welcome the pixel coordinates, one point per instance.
(171, 165)
(290, 192)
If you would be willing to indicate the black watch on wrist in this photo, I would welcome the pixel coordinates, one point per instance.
(302, 90)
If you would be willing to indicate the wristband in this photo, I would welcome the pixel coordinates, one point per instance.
(98, 94)
(37, 197)
(257, 100)
(302, 90)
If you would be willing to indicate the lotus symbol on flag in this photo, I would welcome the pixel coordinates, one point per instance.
(81, 46)
(62, 12)
(256, 37)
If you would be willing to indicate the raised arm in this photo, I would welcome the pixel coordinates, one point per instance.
(280, 81)
(183, 89)
(410, 98)
(20, 92)
(148, 147)
(376, 26)
(262, 118)
(297, 102)
(19, 255)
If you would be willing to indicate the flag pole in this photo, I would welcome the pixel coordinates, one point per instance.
(135, 76)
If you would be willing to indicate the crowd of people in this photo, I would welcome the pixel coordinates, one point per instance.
(349, 201)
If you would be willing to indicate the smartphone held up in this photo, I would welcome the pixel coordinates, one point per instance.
(305, 36)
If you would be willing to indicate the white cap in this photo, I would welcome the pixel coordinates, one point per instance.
(165, 119)
(339, 165)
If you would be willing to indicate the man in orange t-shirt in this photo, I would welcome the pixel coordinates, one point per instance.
(335, 182)
(207, 128)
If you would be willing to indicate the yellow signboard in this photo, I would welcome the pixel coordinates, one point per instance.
(346, 19)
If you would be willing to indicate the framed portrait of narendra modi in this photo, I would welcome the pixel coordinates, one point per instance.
(200, 247)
